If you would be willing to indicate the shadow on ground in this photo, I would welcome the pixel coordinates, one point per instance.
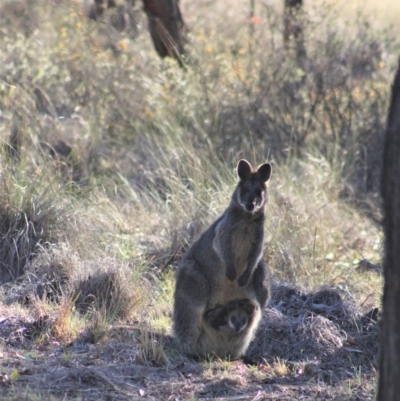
(309, 346)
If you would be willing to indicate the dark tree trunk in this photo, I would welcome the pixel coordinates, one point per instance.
(166, 27)
(292, 27)
(389, 365)
(98, 7)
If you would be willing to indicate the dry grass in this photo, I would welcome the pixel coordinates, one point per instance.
(323, 236)
(325, 327)
(112, 162)
(30, 215)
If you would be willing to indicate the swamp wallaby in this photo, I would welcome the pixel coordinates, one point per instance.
(225, 265)
(234, 316)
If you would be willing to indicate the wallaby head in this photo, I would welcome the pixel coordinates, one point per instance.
(251, 193)
(239, 314)
(236, 315)
(238, 320)
(239, 317)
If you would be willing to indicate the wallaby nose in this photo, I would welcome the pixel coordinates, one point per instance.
(250, 206)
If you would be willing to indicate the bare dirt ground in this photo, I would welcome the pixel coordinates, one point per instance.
(310, 346)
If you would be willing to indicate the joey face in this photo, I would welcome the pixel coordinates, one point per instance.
(238, 320)
(252, 188)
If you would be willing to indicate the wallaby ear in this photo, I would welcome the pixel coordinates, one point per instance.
(243, 169)
(265, 171)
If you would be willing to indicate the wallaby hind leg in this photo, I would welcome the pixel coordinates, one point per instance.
(191, 295)
(261, 283)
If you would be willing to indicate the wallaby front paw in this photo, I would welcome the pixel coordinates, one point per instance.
(230, 274)
(243, 280)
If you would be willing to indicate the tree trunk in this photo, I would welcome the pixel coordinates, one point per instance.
(292, 27)
(166, 27)
(389, 364)
(98, 7)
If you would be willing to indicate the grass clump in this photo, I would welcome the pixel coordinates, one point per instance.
(151, 349)
(32, 213)
(107, 289)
